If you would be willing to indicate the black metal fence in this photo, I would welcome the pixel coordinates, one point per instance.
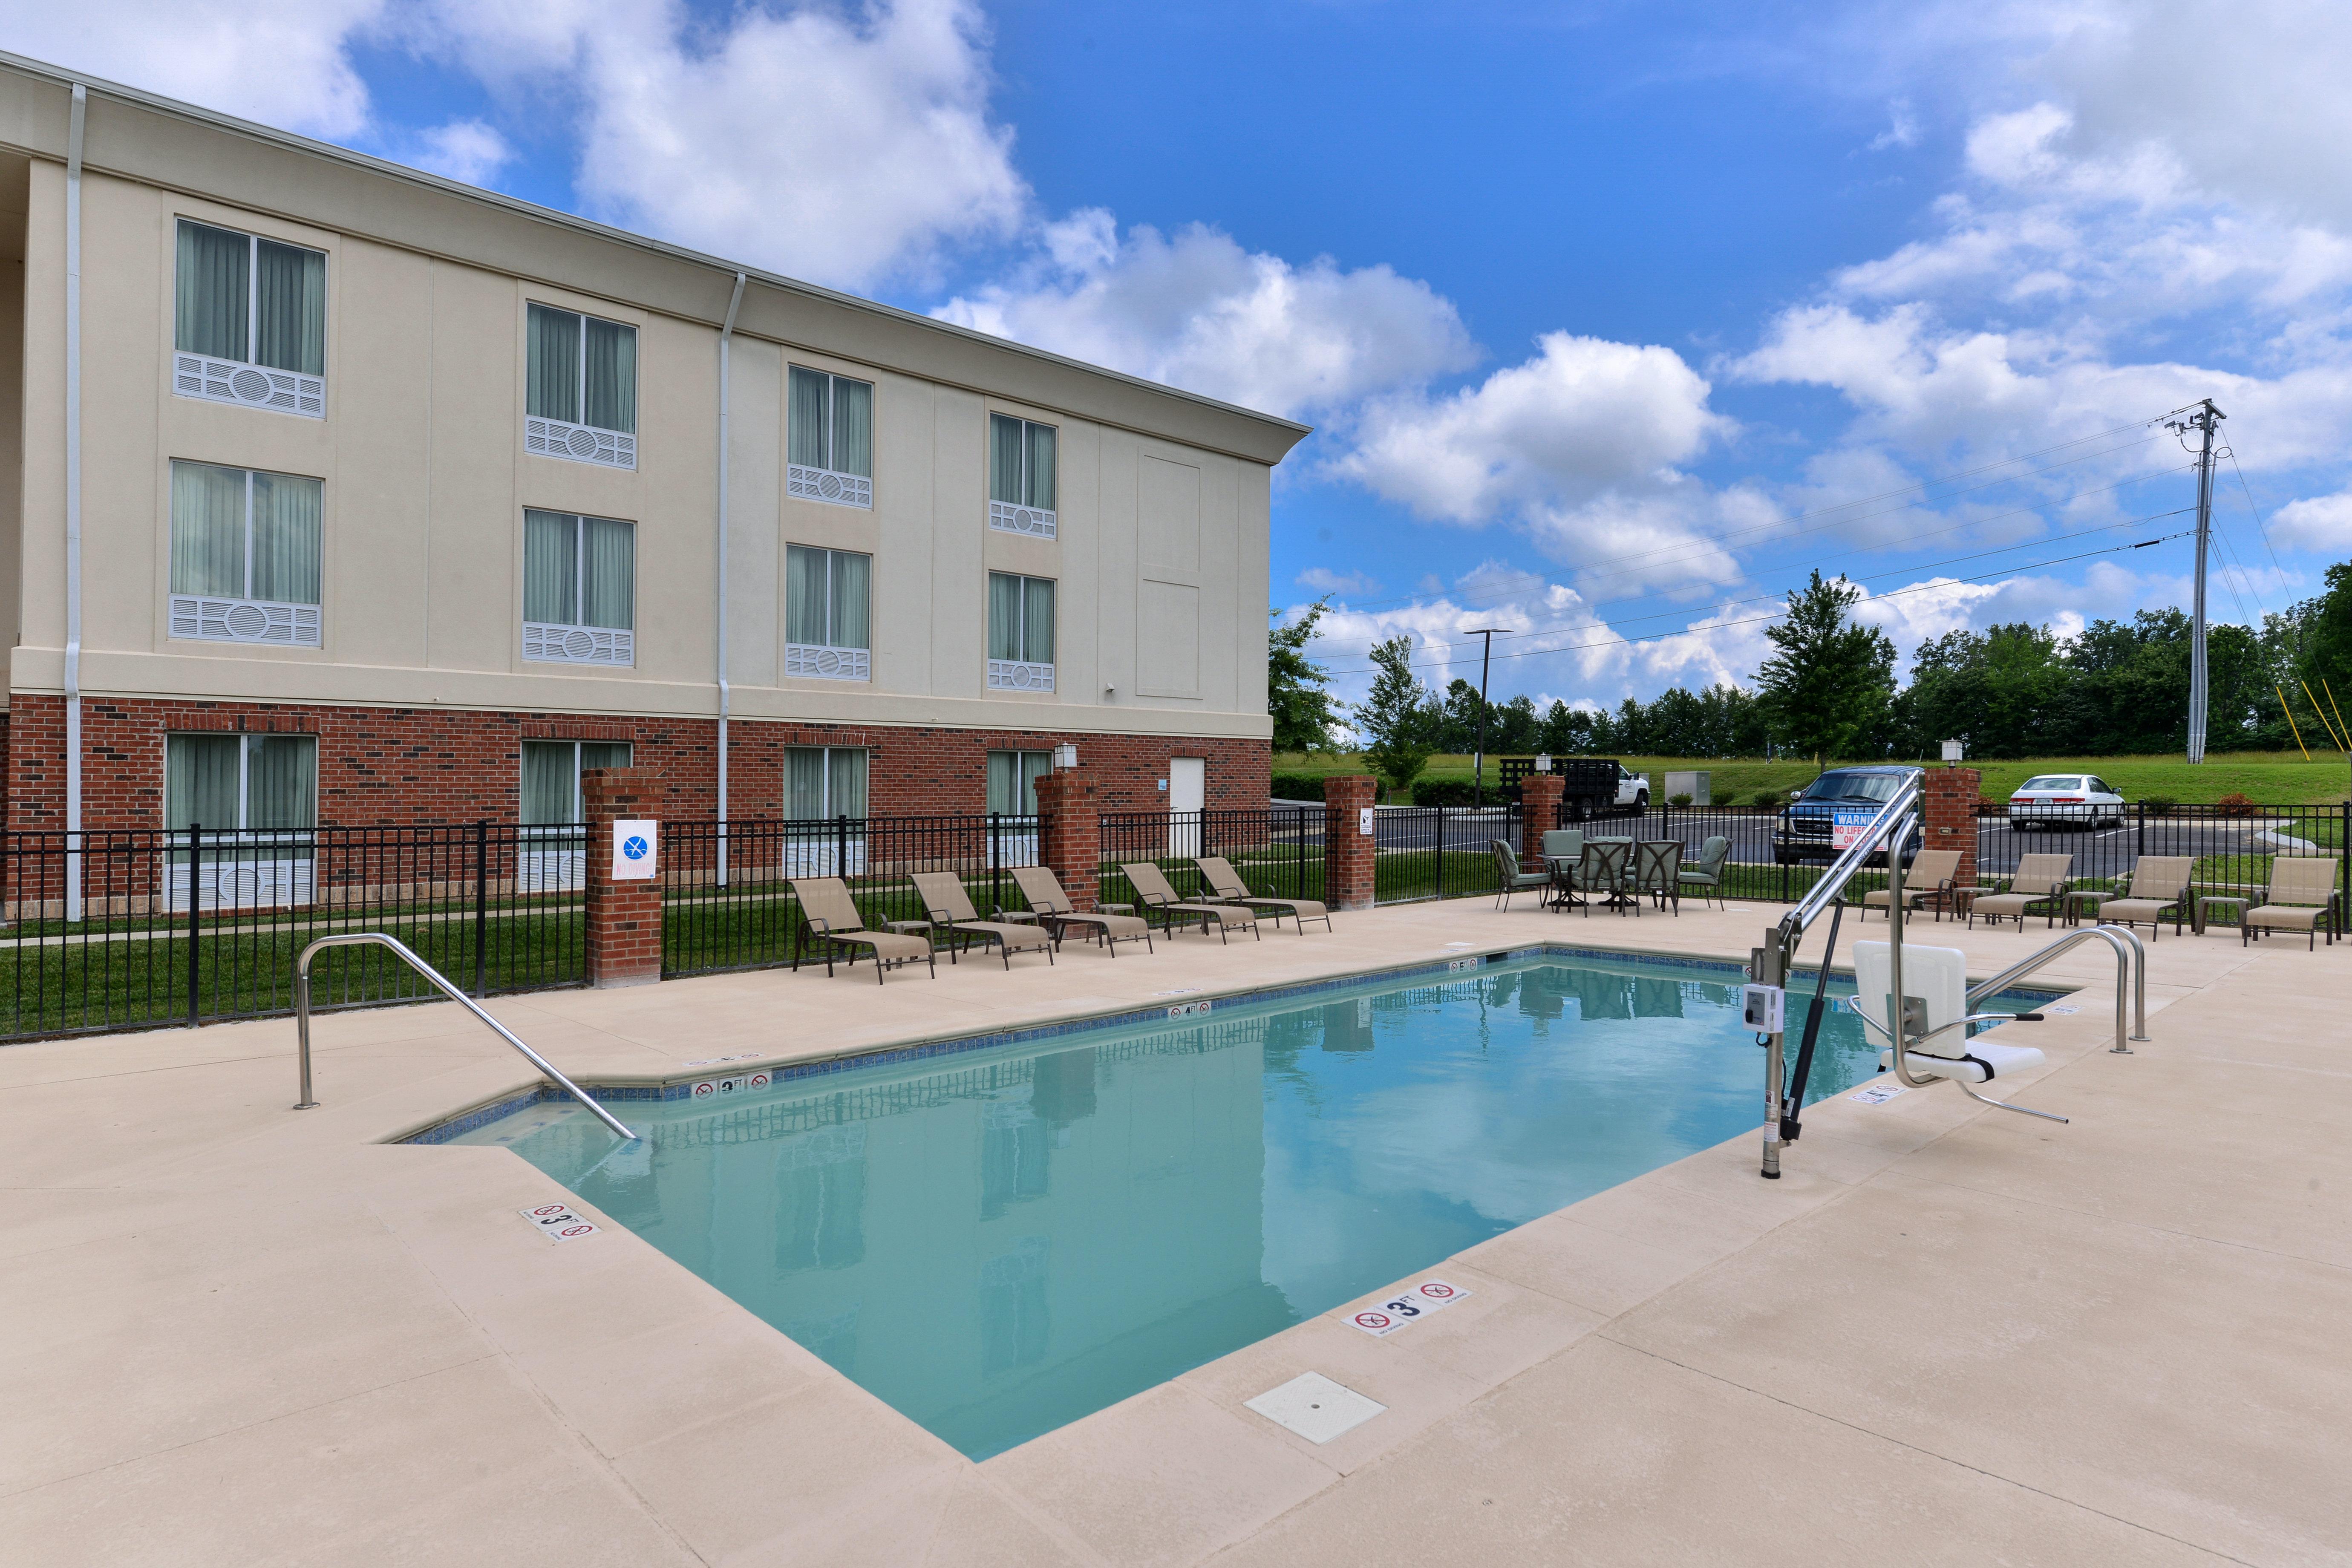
(124, 929)
(1439, 851)
(1277, 852)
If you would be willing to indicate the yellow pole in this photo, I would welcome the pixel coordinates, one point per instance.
(2331, 702)
(2291, 724)
(2315, 708)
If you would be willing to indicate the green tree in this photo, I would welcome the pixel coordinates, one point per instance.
(1303, 711)
(1399, 716)
(1828, 688)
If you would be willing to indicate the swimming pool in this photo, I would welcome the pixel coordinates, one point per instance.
(996, 1242)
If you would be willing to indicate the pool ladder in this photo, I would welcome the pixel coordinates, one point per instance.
(442, 983)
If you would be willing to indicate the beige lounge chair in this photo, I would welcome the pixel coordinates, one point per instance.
(2159, 886)
(1929, 876)
(1057, 914)
(949, 908)
(2302, 895)
(1227, 885)
(1152, 890)
(832, 917)
(2040, 879)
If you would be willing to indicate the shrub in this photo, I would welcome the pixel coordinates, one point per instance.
(1987, 802)
(1773, 798)
(2232, 804)
(2158, 805)
(1457, 792)
(1681, 800)
(1298, 786)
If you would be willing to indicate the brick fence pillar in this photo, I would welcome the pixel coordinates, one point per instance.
(1069, 833)
(625, 918)
(1347, 842)
(1952, 817)
(1538, 813)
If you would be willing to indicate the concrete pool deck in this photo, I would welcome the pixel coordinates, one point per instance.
(234, 1333)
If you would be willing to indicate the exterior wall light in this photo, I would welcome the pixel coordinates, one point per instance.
(1543, 762)
(1952, 750)
(1066, 756)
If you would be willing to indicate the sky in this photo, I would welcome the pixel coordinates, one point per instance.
(1613, 320)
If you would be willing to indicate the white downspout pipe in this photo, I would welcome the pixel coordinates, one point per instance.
(725, 334)
(73, 502)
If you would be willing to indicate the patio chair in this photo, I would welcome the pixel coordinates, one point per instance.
(1706, 873)
(1563, 850)
(1057, 914)
(2040, 879)
(948, 906)
(1658, 871)
(830, 916)
(1603, 872)
(1930, 874)
(2302, 894)
(1510, 879)
(1151, 888)
(2159, 886)
(1227, 886)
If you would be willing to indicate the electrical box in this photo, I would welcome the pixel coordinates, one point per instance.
(1765, 1008)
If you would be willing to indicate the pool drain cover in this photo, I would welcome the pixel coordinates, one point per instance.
(1315, 1407)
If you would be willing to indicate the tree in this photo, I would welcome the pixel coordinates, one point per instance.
(1399, 716)
(1828, 688)
(1302, 709)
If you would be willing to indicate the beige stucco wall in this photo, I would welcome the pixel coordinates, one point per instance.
(425, 477)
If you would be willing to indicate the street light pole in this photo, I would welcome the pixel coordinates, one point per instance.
(1478, 760)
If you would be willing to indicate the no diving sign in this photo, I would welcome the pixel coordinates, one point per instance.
(1385, 1318)
(557, 1222)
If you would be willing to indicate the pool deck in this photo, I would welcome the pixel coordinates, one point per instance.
(233, 1333)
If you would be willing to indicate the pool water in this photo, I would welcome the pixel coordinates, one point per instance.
(998, 1242)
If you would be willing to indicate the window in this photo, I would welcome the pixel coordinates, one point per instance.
(550, 777)
(582, 397)
(827, 601)
(257, 799)
(824, 781)
(831, 440)
(1020, 633)
(579, 589)
(1020, 476)
(249, 321)
(1013, 780)
(245, 555)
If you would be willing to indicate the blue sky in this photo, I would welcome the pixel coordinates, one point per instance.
(1614, 319)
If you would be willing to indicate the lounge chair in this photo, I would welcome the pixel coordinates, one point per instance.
(1153, 889)
(832, 917)
(1705, 875)
(1057, 914)
(2040, 879)
(1510, 879)
(1227, 886)
(2302, 895)
(948, 906)
(1563, 848)
(1604, 872)
(1929, 875)
(2159, 886)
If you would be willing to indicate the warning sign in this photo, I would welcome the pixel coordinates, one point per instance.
(721, 1088)
(1847, 824)
(1385, 1318)
(557, 1222)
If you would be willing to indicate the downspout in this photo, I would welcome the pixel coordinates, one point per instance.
(725, 334)
(73, 502)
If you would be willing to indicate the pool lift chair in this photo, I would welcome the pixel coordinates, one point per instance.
(1928, 1043)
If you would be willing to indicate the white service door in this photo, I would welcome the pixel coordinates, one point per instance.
(1187, 794)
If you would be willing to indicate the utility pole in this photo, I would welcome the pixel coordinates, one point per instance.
(2205, 420)
(1478, 761)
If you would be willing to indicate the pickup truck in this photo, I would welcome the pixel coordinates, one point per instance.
(1589, 785)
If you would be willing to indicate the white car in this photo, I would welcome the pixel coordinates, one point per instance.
(2065, 800)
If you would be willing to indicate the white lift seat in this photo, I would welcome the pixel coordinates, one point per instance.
(1937, 977)
(1984, 1062)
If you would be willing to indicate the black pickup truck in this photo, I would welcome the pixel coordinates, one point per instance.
(1589, 785)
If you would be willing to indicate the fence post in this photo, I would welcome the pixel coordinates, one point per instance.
(995, 865)
(624, 943)
(1440, 851)
(1950, 817)
(1297, 851)
(481, 907)
(1539, 795)
(195, 903)
(1069, 833)
(1348, 879)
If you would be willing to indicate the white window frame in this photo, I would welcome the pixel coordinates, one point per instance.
(560, 642)
(203, 617)
(814, 853)
(246, 382)
(277, 881)
(829, 660)
(1009, 517)
(827, 484)
(565, 866)
(1022, 674)
(580, 442)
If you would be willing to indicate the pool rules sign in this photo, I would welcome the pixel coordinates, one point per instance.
(636, 843)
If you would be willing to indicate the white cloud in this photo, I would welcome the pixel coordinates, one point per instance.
(2315, 522)
(1323, 579)
(1902, 128)
(463, 149)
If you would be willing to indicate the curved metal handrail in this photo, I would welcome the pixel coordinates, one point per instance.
(2130, 964)
(378, 938)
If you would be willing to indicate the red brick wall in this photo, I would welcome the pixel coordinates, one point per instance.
(1951, 813)
(1069, 815)
(624, 945)
(1538, 809)
(1347, 852)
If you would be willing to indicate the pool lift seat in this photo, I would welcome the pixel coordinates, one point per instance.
(1935, 1021)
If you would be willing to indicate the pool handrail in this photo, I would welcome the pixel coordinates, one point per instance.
(442, 983)
(2131, 966)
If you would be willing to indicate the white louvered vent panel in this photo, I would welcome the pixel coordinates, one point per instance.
(253, 385)
(243, 620)
(825, 485)
(814, 661)
(581, 443)
(1013, 675)
(1035, 521)
(578, 645)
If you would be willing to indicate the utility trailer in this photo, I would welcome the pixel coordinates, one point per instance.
(1589, 785)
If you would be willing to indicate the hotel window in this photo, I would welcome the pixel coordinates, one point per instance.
(831, 440)
(1013, 780)
(1020, 633)
(245, 555)
(249, 321)
(257, 799)
(579, 589)
(828, 599)
(581, 398)
(550, 777)
(1021, 477)
(824, 781)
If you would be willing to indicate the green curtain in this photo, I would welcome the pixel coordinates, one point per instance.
(1040, 489)
(208, 529)
(200, 781)
(1004, 459)
(847, 766)
(1034, 765)
(806, 436)
(612, 376)
(285, 528)
(1003, 615)
(551, 568)
(604, 754)
(550, 788)
(853, 594)
(853, 426)
(281, 782)
(611, 596)
(1037, 622)
(804, 782)
(1004, 782)
(210, 295)
(553, 351)
(804, 595)
(289, 287)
